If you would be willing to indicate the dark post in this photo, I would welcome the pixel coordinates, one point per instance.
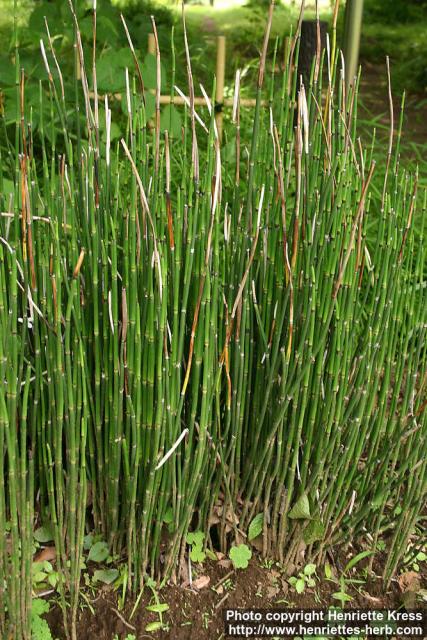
(308, 46)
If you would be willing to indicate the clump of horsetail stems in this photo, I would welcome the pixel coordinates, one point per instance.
(183, 336)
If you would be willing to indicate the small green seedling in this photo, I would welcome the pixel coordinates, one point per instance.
(267, 563)
(39, 627)
(195, 540)
(98, 552)
(304, 579)
(107, 576)
(159, 607)
(229, 585)
(205, 620)
(121, 585)
(43, 534)
(342, 594)
(381, 546)
(43, 575)
(240, 556)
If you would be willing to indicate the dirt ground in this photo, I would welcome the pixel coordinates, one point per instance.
(197, 614)
(374, 110)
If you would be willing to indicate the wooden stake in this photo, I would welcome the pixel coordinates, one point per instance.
(198, 101)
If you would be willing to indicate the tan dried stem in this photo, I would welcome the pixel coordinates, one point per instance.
(135, 59)
(356, 223)
(158, 91)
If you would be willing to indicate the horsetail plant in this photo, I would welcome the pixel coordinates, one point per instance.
(189, 340)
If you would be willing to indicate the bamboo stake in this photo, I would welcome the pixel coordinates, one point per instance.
(352, 33)
(199, 101)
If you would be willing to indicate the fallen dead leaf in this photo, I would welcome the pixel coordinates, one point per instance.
(201, 582)
(239, 539)
(226, 564)
(257, 543)
(48, 553)
(217, 516)
(214, 519)
(272, 592)
(372, 598)
(285, 586)
(300, 554)
(183, 570)
(409, 581)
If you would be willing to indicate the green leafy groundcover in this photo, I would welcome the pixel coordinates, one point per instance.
(113, 57)
(198, 345)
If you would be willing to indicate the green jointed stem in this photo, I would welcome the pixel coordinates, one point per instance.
(189, 338)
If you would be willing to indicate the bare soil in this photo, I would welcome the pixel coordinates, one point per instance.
(198, 614)
(374, 110)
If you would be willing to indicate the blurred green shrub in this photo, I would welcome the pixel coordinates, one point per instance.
(395, 11)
